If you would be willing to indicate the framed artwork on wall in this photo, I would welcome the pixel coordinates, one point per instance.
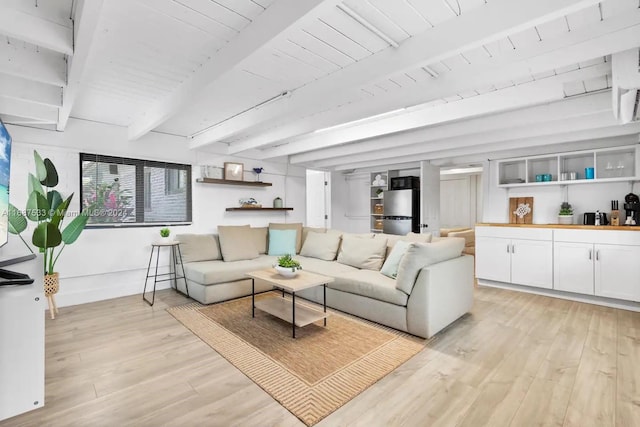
(234, 171)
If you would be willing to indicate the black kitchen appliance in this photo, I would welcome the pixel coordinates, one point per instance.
(590, 218)
(632, 209)
(405, 183)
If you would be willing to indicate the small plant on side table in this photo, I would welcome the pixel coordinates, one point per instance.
(164, 234)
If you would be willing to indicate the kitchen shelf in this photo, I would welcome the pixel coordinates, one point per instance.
(231, 182)
(258, 209)
(617, 164)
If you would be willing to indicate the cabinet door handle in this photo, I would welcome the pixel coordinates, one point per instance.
(598, 255)
(590, 254)
(508, 251)
(513, 249)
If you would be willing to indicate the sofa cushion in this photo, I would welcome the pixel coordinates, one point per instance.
(293, 226)
(213, 272)
(321, 245)
(421, 255)
(392, 239)
(306, 230)
(391, 264)
(370, 284)
(327, 268)
(199, 247)
(367, 254)
(260, 236)
(282, 242)
(236, 243)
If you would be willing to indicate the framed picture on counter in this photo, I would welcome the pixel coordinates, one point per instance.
(234, 171)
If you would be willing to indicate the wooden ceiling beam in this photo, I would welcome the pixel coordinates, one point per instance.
(29, 90)
(276, 19)
(22, 25)
(568, 108)
(28, 110)
(490, 22)
(578, 46)
(87, 15)
(493, 150)
(511, 98)
(508, 133)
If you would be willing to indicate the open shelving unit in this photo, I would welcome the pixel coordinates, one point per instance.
(376, 208)
(231, 182)
(609, 164)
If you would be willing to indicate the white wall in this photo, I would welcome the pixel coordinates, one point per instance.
(350, 199)
(546, 200)
(460, 200)
(109, 263)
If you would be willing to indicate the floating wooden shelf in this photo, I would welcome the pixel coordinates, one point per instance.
(231, 182)
(258, 209)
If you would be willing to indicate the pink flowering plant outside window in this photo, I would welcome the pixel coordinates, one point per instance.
(108, 203)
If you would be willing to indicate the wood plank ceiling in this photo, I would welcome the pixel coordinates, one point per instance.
(328, 84)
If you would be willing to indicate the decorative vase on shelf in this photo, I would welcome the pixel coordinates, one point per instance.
(277, 202)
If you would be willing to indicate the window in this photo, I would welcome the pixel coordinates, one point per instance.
(119, 190)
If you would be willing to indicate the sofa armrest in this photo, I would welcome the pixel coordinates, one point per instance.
(442, 293)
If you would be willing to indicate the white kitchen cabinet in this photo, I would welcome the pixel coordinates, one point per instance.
(573, 267)
(617, 271)
(493, 259)
(532, 263)
(526, 262)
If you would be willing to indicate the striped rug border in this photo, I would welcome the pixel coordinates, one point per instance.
(309, 402)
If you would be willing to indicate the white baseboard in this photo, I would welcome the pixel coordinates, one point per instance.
(589, 299)
(85, 289)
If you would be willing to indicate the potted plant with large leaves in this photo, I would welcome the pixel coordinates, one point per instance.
(48, 209)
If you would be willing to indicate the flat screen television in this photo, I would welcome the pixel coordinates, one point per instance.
(5, 173)
(8, 278)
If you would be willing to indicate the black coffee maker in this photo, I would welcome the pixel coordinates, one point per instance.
(632, 208)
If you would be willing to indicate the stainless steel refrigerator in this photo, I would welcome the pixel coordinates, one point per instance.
(401, 212)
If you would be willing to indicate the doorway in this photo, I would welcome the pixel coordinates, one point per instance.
(318, 199)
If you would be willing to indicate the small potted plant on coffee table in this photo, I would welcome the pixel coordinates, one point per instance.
(565, 216)
(287, 266)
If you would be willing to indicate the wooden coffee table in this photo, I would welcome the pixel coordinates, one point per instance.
(296, 314)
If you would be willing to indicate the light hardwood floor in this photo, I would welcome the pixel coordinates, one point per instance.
(517, 359)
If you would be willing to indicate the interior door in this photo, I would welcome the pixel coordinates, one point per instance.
(617, 272)
(573, 267)
(532, 263)
(316, 199)
(429, 198)
(493, 259)
(455, 203)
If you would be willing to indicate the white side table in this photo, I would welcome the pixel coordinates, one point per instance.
(175, 259)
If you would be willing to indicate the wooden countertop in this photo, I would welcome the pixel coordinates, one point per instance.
(566, 227)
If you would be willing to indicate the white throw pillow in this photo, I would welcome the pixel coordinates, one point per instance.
(421, 255)
(391, 264)
(321, 245)
(367, 254)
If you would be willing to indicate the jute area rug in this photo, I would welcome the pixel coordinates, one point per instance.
(312, 375)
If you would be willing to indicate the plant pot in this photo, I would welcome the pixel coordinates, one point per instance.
(51, 287)
(167, 239)
(287, 271)
(565, 219)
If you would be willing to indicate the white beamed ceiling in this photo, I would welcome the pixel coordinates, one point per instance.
(263, 76)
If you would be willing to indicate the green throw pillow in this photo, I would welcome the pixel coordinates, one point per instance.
(282, 242)
(390, 266)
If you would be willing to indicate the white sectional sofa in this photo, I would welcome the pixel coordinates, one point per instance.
(434, 286)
